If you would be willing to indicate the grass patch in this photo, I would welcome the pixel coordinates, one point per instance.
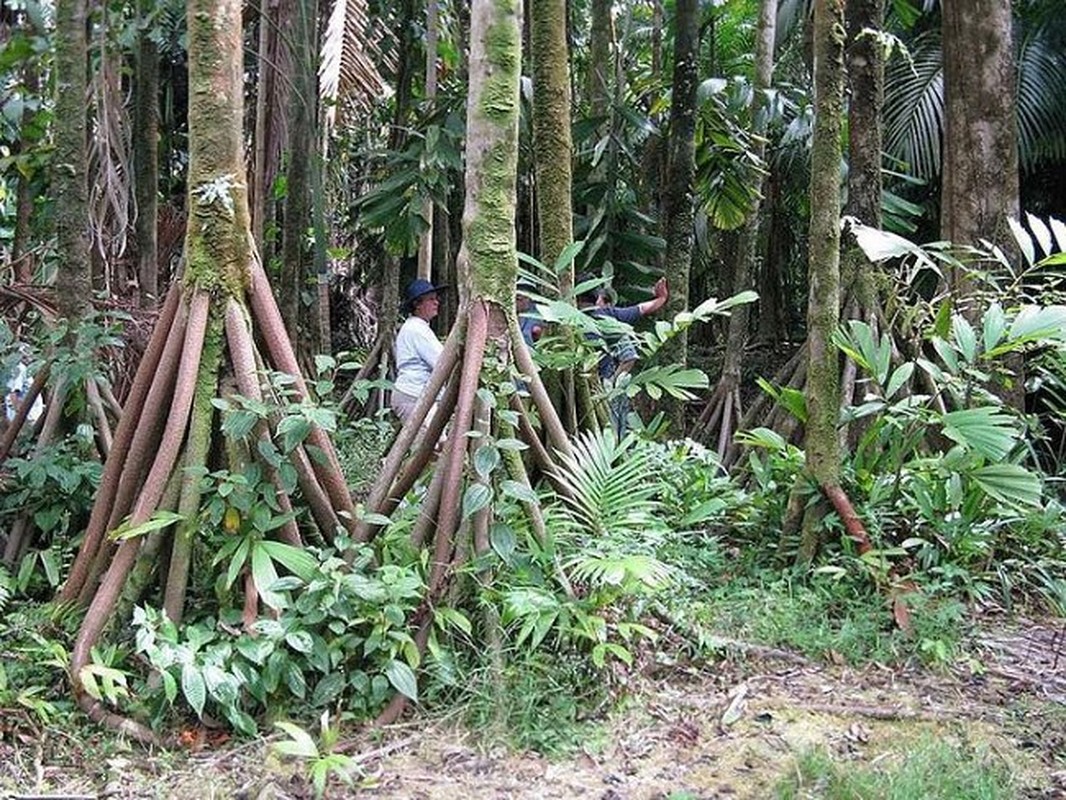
(537, 704)
(822, 617)
(932, 769)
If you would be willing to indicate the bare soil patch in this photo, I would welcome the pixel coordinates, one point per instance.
(727, 729)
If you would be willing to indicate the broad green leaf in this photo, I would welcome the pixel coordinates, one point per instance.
(300, 744)
(452, 617)
(1025, 242)
(1009, 483)
(375, 519)
(328, 689)
(1040, 232)
(193, 688)
(704, 511)
(899, 378)
(265, 575)
(995, 325)
(965, 337)
(1032, 324)
(502, 539)
(158, 520)
(236, 564)
(51, 566)
(300, 641)
(947, 354)
(511, 444)
(795, 402)
(402, 678)
(170, 686)
(486, 459)
(476, 497)
(221, 686)
(762, 437)
(986, 430)
(294, 679)
(297, 561)
(519, 491)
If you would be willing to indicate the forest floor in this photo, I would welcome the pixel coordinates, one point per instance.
(732, 728)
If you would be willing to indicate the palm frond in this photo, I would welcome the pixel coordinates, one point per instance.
(914, 107)
(1041, 102)
(348, 72)
(610, 496)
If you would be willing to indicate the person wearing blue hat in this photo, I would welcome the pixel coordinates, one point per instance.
(417, 346)
(529, 321)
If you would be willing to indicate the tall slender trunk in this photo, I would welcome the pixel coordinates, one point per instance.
(678, 211)
(823, 304)
(70, 183)
(425, 244)
(271, 92)
(302, 108)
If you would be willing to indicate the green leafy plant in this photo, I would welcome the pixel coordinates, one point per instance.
(321, 761)
(339, 639)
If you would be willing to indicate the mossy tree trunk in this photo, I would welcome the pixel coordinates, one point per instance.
(70, 164)
(203, 339)
(552, 163)
(866, 79)
(485, 344)
(302, 114)
(822, 442)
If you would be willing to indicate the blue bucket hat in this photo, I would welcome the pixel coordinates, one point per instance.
(417, 288)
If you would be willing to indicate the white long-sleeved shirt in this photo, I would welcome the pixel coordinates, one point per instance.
(417, 351)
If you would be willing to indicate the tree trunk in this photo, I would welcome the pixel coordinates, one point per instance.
(979, 182)
(302, 108)
(551, 132)
(272, 89)
(678, 212)
(979, 188)
(601, 41)
(823, 306)
(425, 244)
(205, 331)
(69, 182)
(486, 338)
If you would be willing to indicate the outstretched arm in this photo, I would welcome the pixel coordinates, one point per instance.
(662, 294)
